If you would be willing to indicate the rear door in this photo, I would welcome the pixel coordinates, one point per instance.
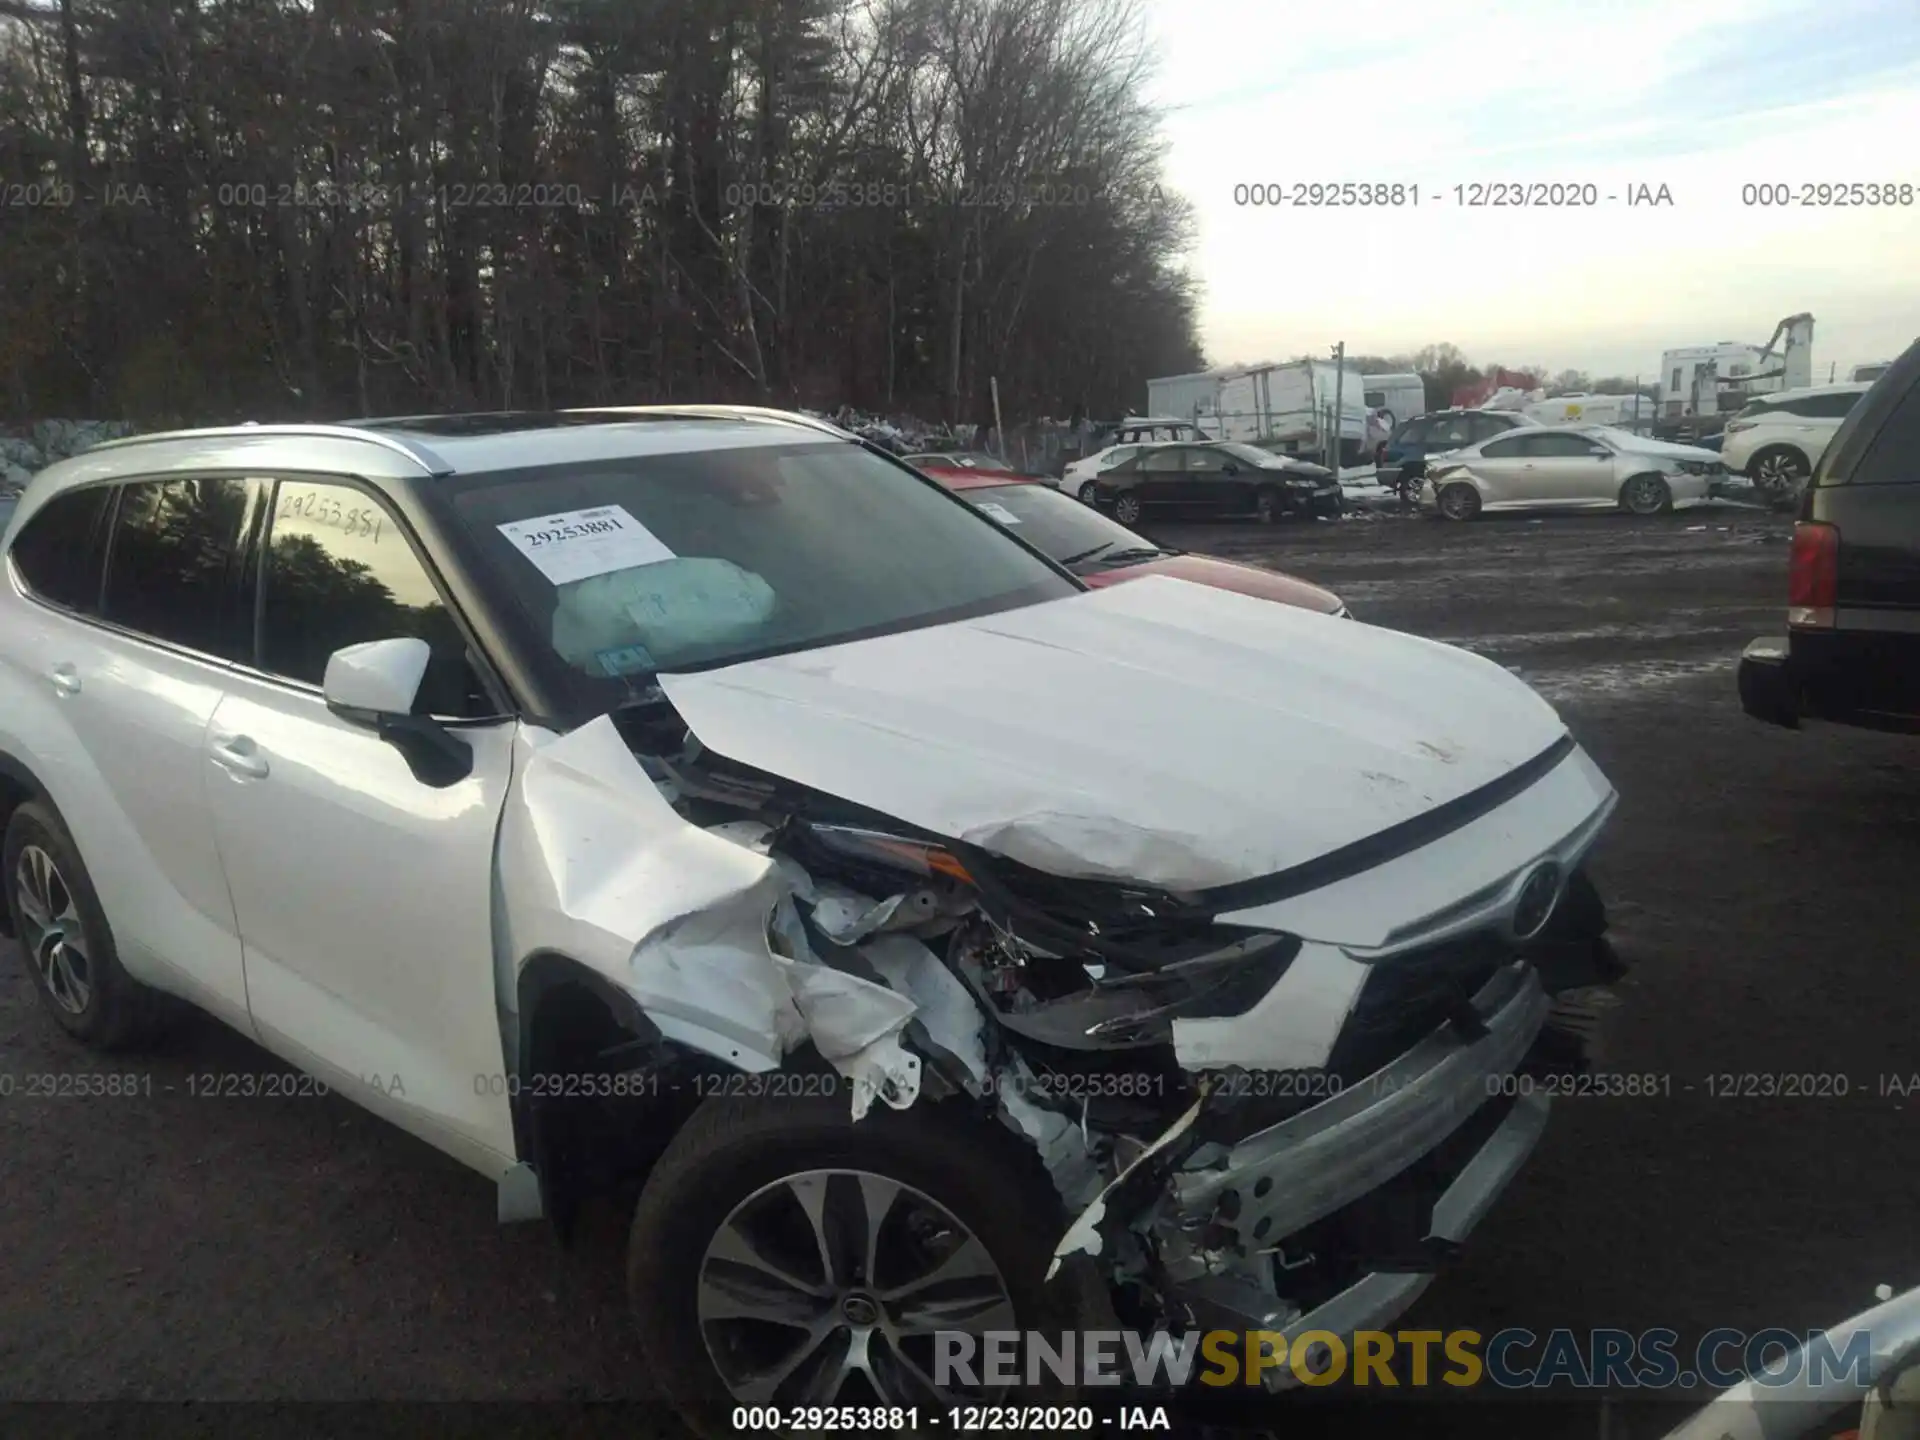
(1868, 489)
(1506, 469)
(137, 669)
(1209, 484)
(1160, 475)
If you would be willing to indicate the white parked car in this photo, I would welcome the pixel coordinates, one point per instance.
(1776, 440)
(685, 802)
(1569, 467)
(1077, 479)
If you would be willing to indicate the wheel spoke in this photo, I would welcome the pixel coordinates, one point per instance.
(730, 1246)
(967, 1268)
(877, 1194)
(762, 1388)
(35, 902)
(739, 1292)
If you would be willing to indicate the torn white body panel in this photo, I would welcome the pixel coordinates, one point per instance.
(1292, 1027)
(597, 866)
(1236, 738)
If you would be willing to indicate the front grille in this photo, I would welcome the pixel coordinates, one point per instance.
(1407, 998)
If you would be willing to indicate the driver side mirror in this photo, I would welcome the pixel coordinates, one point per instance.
(1230, 468)
(375, 684)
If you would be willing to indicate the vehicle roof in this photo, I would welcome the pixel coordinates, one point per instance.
(417, 447)
(1840, 387)
(410, 450)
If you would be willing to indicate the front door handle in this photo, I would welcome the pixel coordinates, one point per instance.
(65, 680)
(240, 756)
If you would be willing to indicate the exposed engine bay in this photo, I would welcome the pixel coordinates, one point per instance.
(1102, 1022)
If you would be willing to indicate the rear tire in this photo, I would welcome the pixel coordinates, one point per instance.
(1458, 501)
(65, 940)
(1646, 495)
(1087, 493)
(727, 1176)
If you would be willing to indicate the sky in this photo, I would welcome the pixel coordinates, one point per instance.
(1700, 96)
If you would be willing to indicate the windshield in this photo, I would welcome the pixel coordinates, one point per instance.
(1057, 525)
(690, 560)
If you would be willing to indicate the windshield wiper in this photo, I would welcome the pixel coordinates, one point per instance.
(1133, 552)
(1089, 554)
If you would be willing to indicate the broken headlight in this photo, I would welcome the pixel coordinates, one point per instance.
(1075, 1005)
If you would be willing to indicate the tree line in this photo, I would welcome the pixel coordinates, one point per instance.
(301, 209)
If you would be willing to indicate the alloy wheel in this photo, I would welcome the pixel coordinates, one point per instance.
(1645, 495)
(1778, 474)
(53, 935)
(1459, 502)
(828, 1287)
(1126, 510)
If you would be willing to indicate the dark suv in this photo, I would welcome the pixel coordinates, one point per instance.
(1402, 459)
(1851, 654)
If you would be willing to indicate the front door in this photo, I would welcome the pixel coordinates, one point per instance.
(364, 895)
(1573, 470)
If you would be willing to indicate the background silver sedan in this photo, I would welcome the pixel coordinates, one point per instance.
(1569, 467)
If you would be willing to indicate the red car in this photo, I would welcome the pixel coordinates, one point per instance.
(1102, 552)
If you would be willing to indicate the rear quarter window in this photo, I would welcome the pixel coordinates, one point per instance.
(57, 554)
(1892, 453)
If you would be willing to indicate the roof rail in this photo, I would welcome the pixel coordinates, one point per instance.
(758, 412)
(421, 455)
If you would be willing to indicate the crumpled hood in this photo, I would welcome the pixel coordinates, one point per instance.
(1157, 731)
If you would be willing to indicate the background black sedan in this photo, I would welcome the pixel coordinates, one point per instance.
(1220, 478)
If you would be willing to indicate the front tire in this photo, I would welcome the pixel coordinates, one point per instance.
(783, 1253)
(1778, 473)
(1268, 505)
(1458, 501)
(1127, 509)
(65, 940)
(1646, 495)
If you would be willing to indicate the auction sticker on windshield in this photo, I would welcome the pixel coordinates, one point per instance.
(578, 544)
(999, 512)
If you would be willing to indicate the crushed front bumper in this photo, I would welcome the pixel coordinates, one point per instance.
(1275, 1184)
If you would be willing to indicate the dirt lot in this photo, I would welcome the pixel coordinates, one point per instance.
(169, 1247)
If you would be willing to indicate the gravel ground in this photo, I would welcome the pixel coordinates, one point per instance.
(161, 1246)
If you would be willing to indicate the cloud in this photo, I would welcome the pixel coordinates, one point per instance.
(1701, 98)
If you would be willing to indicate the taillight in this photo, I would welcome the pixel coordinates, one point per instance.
(1813, 575)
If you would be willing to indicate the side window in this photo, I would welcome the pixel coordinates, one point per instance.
(1833, 407)
(1163, 461)
(1505, 449)
(1485, 427)
(1413, 432)
(1211, 462)
(1451, 433)
(1893, 456)
(340, 571)
(58, 552)
(176, 567)
(1571, 446)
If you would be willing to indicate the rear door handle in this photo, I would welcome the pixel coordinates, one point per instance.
(65, 680)
(239, 755)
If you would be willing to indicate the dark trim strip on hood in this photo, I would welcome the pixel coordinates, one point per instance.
(1384, 845)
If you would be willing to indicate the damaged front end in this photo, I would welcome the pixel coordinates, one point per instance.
(1265, 1108)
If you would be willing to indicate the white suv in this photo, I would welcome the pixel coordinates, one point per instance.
(681, 804)
(1777, 440)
